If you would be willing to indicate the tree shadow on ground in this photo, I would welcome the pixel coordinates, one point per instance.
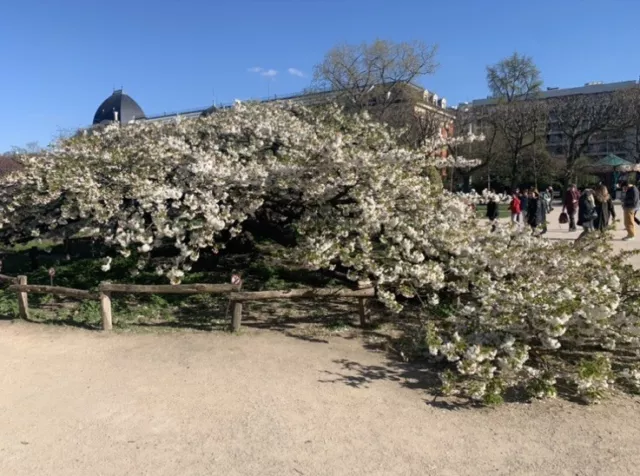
(357, 375)
(415, 376)
(286, 316)
(65, 322)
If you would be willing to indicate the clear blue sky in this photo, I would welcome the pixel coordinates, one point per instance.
(61, 58)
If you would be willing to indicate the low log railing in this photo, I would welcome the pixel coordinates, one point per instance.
(107, 288)
(236, 296)
(22, 289)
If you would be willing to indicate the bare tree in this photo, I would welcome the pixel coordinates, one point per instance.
(8, 163)
(30, 148)
(576, 120)
(520, 124)
(485, 150)
(514, 77)
(373, 74)
(511, 124)
(416, 123)
(631, 143)
(510, 129)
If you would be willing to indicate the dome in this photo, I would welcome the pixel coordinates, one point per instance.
(209, 111)
(118, 107)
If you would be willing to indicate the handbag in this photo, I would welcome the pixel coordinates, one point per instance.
(564, 218)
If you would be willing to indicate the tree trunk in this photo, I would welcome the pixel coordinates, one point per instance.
(568, 177)
(466, 183)
(514, 172)
(569, 173)
(33, 257)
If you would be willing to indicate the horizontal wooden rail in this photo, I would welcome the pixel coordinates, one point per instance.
(169, 288)
(236, 296)
(11, 279)
(302, 294)
(57, 290)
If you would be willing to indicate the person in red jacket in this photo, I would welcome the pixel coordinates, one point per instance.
(516, 210)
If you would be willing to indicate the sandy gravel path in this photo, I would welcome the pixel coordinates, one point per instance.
(75, 402)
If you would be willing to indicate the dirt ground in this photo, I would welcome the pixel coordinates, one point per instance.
(77, 402)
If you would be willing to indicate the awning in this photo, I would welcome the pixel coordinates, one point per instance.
(612, 163)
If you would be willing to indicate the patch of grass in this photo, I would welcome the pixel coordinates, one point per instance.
(267, 266)
(8, 305)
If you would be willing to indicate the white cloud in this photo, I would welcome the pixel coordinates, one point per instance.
(270, 73)
(296, 72)
(255, 69)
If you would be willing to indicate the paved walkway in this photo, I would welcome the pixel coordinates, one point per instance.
(561, 232)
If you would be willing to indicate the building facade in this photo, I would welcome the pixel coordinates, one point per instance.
(622, 143)
(122, 108)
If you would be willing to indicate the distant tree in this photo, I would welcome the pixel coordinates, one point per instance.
(579, 119)
(373, 74)
(29, 148)
(484, 151)
(514, 77)
(521, 125)
(631, 142)
(379, 78)
(511, 125)
(511, 128)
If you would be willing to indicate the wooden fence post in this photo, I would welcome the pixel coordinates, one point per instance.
(105, 310)
(23, 302)
(237, 316)
(362, 304)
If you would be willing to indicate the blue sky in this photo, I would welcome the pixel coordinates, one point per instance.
(61, 58)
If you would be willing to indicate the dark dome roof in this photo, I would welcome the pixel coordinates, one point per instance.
(119, 102)
(208, 111)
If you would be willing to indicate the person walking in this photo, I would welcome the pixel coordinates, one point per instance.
(571, 198)
(587, 213)
(516, 211)
(524, 204)
(630, 203)
(492, 210)
(550, 192)
(537, 213)
(544, 195)
(604, 207)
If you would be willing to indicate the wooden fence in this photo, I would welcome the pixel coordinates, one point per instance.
(236, 296)
(11, 279)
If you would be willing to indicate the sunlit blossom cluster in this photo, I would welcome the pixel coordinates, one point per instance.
(484, 197)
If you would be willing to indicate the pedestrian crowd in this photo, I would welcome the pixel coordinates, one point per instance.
(528, 208)
(591, 209)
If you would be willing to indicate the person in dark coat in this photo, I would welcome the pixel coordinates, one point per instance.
(537, 212)
(524, 204)
(492, 211)
(604, 208)
(587, 213)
